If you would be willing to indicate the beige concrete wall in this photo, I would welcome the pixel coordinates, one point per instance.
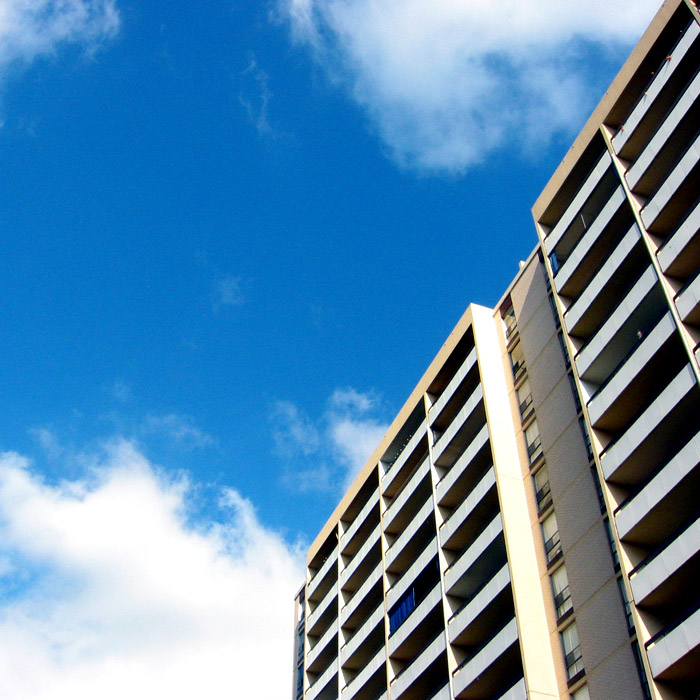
(586, 553)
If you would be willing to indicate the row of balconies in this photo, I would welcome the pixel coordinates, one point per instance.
(675, 70)
(362, 624)
(374, 565)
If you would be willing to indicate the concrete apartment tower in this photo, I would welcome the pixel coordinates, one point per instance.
(529, 527)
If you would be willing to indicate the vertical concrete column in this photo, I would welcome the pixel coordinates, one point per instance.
(535, 640)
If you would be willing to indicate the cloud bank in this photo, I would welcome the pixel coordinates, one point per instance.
(32, 28)
(108, 590)
(326, 454)
(446, 82)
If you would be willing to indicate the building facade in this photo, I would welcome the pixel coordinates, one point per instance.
(529, 527)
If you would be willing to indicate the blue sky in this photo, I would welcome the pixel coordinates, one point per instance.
(234, 235)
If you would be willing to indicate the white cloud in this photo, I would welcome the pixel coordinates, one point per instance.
(446, 82)
(326, 454)
(32, 28)
(107, 590)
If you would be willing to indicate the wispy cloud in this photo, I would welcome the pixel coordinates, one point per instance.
(181, 430)
(228, 292)
(29, 29)
(254, 96)
(107, 590)
(121, 391)
(293, 431)
(327, 453)
(445, 83)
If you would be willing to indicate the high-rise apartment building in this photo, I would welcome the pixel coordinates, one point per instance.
(529, 527)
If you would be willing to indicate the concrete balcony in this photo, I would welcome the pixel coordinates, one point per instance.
(603, 401)
(407, 491)
(475, 670)
(369, 590)
(398, 546)
(656, 582)
(680, 254)
(326, 575)
(589, 185)
(598, 286)
(463, 627)
(653, 90)
(515, 692)
(688, 302)
(597, 359)
(577, 258)
(412, 673)
(323, 614)
(457, 423)
(620, 459)
(442, 694)
(401, 460)
(369, 681)
(323, 651)
(485, 554)
(461, 374)
(374, 622)
(647, 157)
(453, 531)
(361, 518)
(664, 500)
(406, 633)
(676, 655)
(325, 687)
(448, 488)
(406, 579)
(671, 185)
(360, 557)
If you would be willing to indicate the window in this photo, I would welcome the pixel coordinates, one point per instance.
(598, 489)
(613, 544)
(550, 532)
(572, 651)
(534, 445)
(574, 392)
(542, 491)
(644, 681)
(581, 694)
(414, 596)
(553, 306)
(562, 593)
(300, 681)
(525, 399)
(586, 437)
(402, 610)
(626, 605)
(564, 349)
(554, 262)
(510, 323)
(300, 644)
(517, 360)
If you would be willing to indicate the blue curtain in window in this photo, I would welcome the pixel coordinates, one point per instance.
(402, 610)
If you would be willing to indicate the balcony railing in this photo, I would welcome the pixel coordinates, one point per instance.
(552, 548)
(574, 663)
(534, 450)
(525, 407)
(562, 603)
(544, 497)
